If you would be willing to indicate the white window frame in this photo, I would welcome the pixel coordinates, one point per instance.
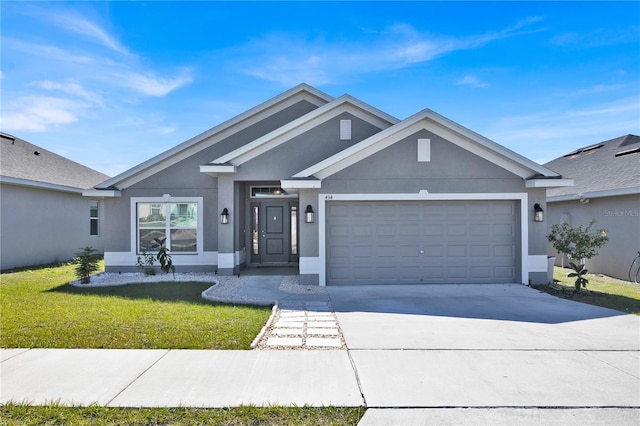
(96, 204)
(168, 200)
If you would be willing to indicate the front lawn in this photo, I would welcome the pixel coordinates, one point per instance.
(600, 291)
(15, 414)
(40, 310)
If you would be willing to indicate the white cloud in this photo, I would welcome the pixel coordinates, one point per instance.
(69, 88)
(37, 113)
(471, 80)
(290, 59)
(80, 25)
(151, 85)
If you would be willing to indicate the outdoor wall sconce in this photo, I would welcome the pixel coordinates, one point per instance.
(308, 214)
(538, 213)
(224, 216)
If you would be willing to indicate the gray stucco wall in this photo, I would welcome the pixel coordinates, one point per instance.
(305, 150)
(43, 226)
(619, 216)
(395, 169)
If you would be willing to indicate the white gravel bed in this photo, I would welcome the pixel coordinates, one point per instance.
(107, 279)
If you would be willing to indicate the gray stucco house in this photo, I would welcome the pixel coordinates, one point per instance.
(339, 189)
(44, 217)
(607, 189)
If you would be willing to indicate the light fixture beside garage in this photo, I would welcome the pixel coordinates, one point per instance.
(538, 213)
(309, 216)
(224, 216)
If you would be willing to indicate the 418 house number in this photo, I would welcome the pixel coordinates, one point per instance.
(328, 197)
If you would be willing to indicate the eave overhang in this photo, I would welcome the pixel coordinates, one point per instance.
(288, 184)
(548, 183)
(102, 193)
(216, 169)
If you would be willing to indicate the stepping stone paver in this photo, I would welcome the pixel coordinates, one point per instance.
(284, 341)
(323, 331)
(323, 342)
(288, 331)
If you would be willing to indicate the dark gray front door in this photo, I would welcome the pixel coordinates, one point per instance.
(275, 233)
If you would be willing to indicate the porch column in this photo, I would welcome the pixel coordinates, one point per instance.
(226, 200)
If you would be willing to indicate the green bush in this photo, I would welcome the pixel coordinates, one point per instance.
(579, 244)
(86, 261)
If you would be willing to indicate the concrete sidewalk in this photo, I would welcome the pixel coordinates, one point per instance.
(174, 378)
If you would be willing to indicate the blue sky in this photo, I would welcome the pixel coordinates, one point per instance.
(111, 84)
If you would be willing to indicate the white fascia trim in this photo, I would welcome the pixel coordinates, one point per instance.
(310, 265)
(217, 168)
(39, 185)
(217, 133)
(595, 194)
(421, 196)
(300, 184)
(125, 258)
(538, 263)
(305, 123)
(231, 260)
(102, 193)
(548, 183)
(447, 129)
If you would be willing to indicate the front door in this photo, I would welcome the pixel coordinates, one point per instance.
(274, 232)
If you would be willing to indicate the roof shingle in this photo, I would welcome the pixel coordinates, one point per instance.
(604, 166)
(22, 160)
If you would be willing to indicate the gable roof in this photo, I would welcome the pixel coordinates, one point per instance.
(216, 134)
(435, 123)
(23, 163)
(344, 103)
(607, 168)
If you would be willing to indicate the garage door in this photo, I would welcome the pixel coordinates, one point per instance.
(411, 242)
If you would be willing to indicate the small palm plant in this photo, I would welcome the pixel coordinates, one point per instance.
(164, 257)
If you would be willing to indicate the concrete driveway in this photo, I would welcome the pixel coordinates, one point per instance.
(487, 346)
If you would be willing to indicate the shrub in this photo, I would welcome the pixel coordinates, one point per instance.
(145, 262)
(86, 261)
(579, 244)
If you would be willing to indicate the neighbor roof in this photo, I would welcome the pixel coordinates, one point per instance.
(607, 168)
(26, 164)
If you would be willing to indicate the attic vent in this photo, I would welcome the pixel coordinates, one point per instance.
(36, 152)
(583, 150)
(345, 130)
(628, 151)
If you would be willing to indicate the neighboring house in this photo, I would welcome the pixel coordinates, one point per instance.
(339, 189)
(43, 216)
(607, 189)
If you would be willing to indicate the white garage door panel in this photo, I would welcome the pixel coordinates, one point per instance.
(421, 242)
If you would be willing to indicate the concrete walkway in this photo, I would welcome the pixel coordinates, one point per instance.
(417, 355)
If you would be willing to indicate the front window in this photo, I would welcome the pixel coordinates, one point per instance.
(174, 223)
(93, 218)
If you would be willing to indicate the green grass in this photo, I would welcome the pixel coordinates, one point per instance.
(600, 291)
(40, 310)
(18, 414)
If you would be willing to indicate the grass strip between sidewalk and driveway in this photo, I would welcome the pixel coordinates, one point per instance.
(600, 291)
(41, 310)
(20, 414)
